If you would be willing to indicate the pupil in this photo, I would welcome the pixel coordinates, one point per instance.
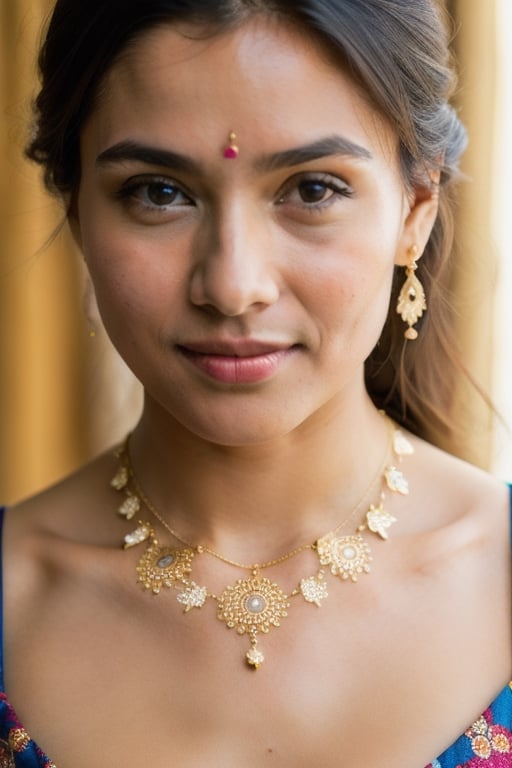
(312, 191)
(161, 194)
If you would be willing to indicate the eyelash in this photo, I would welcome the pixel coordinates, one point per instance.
(337, 186)
(134, 192)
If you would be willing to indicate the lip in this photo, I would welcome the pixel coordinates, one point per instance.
(237, 361)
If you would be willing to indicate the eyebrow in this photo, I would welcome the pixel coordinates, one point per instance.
(326, 147)
(132, 150)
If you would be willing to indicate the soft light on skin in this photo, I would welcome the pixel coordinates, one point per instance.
(187, 249)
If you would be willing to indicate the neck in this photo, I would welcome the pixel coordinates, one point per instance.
(281, 493)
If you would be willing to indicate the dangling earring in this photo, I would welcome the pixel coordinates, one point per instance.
(411, 300)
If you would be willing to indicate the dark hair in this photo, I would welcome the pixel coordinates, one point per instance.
(395, 50)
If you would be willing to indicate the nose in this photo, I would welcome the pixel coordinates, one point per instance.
(234, 270)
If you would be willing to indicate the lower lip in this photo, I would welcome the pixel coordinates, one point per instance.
(238, 370)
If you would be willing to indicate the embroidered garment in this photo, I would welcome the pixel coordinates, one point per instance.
(487, 743)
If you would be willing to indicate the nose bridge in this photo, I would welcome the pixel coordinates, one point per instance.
(233, 268)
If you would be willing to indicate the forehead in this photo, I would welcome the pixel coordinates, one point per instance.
(265, 78)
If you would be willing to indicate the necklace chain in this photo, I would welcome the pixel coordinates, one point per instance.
(256, 604)
(202, 548)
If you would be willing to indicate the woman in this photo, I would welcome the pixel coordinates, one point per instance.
(261, 191)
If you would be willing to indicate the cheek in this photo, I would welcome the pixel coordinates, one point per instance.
(352, 285)
(132, 277)
(351, 296)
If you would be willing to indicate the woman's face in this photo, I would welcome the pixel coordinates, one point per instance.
(245, 293)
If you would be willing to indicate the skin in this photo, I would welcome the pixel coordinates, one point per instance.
(299, 256)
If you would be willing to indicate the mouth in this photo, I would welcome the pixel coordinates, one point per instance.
(240, 361)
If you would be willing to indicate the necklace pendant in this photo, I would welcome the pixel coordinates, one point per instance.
(140, 534)
(379, 520)
(314, 590)
(250, 606)
(120, 479)
(129, 507)
(163, 567)
(401, 445)
(396, 481)
(347, 556)
(192, 596)
(254, 657)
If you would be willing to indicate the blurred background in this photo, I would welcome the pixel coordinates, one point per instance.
(64, 393)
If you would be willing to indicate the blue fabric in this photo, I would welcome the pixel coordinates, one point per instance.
(486, 744)
(16, 746)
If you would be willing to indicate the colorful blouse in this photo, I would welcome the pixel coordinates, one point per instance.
(487, 743)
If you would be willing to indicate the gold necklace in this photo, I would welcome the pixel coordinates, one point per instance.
(255, 604)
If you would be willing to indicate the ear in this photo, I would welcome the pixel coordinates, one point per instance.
(419, 221)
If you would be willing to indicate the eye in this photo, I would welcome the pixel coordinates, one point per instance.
(314, 191)
(153, 196)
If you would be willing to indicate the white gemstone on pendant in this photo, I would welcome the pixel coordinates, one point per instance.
(255, 603)
(165, 561)
(193, 597)
(120, 479)
(401, 445)
(254, 657)
(129, 507)
(396, 481)
(313, 590)
(140, 534)
(379, 520)
(349, 553)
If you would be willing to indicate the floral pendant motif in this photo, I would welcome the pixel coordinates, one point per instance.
(396, 481)
(163, 567)
(314, 589)
(378, 520)
(251, 606)
(347, 556)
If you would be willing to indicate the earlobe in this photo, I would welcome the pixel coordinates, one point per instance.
(419, 222)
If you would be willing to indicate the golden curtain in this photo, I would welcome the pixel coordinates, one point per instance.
(474, 286)
(63, 394)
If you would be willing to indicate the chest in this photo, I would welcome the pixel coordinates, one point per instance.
(375, 677)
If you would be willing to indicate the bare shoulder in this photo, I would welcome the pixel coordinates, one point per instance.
(49, 537)
(457, 499)
(72, 508)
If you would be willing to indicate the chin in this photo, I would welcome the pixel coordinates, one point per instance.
(241, 432)
(238, 424)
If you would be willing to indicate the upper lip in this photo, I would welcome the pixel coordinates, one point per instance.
(234, 347)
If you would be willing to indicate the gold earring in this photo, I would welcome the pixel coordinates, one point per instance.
(411, 300)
